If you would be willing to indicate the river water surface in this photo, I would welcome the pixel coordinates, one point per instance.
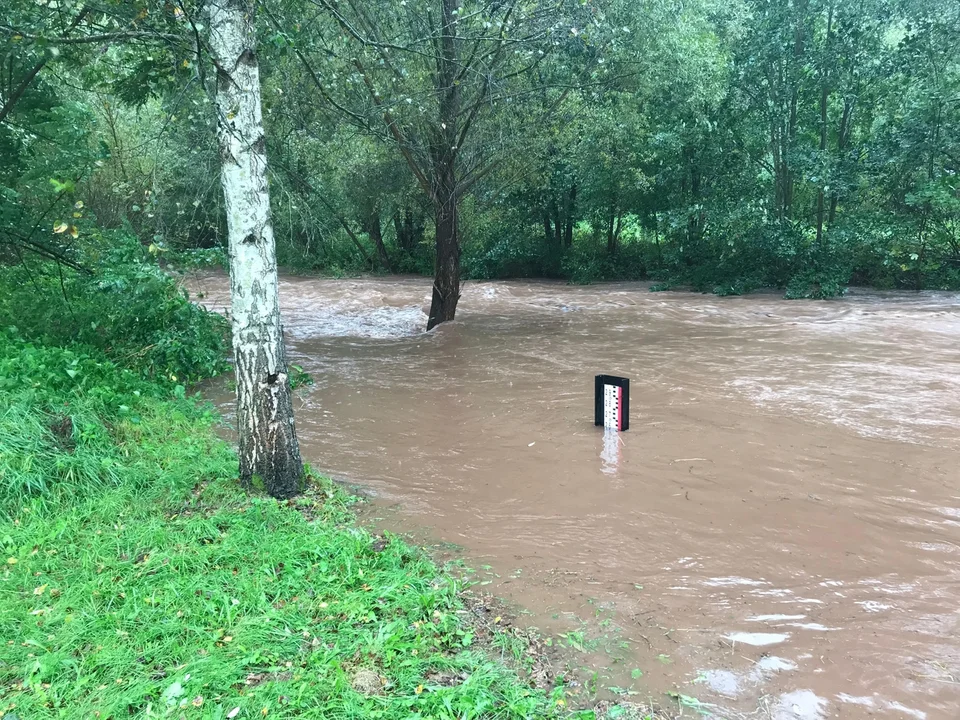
(779, 528)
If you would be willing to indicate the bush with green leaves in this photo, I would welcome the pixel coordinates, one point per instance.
(126, 306)
(588, 261)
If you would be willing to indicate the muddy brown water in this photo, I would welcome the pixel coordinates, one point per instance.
(778, 530)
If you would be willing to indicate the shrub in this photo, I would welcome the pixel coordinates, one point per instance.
(127, 308)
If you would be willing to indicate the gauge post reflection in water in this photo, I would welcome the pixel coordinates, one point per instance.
(610, 456)
(803, 460)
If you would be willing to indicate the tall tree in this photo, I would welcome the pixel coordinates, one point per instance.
(268, 441)
(440, 81)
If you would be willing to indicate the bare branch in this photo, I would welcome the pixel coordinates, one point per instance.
(20, 89)
(305, 185)
(86, 39)
(356, 117)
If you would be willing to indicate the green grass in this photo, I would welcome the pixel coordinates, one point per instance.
(74, 424)
(141, 599)
(136, 602)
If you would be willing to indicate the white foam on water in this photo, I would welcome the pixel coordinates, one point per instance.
(936, 547)
(862, 701)
(812, 626)
(873, 606)
(722, 682)
(350, 319)
(800, 705)
(732, 581)
(774, 618)
(772, 592)
(772, 663)
(912, 712)
(873, 702)
(757, 639)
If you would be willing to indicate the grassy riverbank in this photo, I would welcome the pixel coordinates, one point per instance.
(139, 580)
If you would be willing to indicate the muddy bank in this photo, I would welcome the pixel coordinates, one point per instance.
(779, 527)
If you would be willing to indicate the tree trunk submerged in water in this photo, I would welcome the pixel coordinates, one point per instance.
(446, 281)
(269, 451)
(444, 193)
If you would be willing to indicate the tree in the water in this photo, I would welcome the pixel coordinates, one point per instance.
(268, 443)
(440, 81)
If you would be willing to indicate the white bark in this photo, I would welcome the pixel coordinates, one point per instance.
(268, 442)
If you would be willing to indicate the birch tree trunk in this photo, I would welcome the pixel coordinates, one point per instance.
(269, 452)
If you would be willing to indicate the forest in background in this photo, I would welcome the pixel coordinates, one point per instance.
(724, 145)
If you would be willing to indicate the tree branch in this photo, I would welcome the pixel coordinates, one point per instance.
(305, 184)
(86, 39)
(20, 89)
(44, 251)
(394, 130)
(356, 117)
(35, 70)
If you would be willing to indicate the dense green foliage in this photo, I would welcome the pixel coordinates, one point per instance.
(89, 378)
(728, 145)
(802, 145)
(129, 309)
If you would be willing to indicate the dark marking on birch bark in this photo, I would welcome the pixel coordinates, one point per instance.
(224, 81)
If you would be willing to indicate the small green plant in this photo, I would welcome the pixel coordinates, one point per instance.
(686, 701)
(299, 377)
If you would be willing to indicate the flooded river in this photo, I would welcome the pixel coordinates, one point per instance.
(779, 528)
